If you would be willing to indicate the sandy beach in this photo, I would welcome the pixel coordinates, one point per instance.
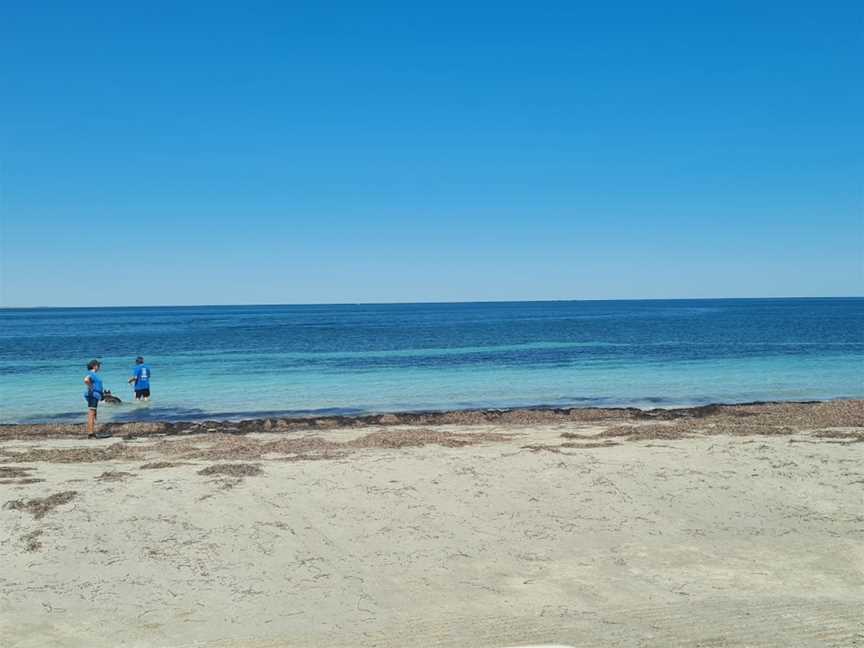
(714, 526)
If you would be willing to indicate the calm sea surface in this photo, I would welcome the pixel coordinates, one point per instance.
(241, 361)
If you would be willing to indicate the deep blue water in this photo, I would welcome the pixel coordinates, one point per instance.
(242, 361)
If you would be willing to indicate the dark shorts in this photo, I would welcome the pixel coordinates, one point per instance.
(142, 393)
(92, 401)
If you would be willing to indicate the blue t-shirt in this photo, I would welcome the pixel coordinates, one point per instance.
(142, 377)
(95, 385)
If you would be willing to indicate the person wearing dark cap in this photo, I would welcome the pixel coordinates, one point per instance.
(93, 395)
(141, 380)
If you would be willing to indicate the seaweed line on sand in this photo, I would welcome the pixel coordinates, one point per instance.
(216, 447)
(15, 472)
(156, 465)
(838, 422)
(113, 476)
(570, 445)
(40, 507)
(232, 470)
(799, 415)
(232, 447)
(114, 452)
(18, 475)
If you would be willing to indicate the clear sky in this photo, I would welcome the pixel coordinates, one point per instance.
(364, 151)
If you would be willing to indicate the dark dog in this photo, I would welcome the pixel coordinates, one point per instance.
(110, 399)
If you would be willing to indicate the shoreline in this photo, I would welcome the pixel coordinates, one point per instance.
(128, 410)
(480, 416)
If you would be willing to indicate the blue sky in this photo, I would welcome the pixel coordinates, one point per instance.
(295, 153)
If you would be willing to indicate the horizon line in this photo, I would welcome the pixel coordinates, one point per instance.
(442, 302)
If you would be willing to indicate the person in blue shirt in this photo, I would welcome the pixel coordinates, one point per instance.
(93, 395)
(141, 380)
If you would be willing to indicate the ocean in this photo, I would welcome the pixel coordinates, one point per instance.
(219, 362)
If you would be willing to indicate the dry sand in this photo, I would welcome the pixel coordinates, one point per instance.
(729, 526)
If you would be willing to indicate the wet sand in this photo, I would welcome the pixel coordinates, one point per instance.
(715, 526)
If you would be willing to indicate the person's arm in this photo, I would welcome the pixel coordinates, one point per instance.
(88, 382)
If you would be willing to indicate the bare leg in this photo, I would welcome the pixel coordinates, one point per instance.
(91, 422)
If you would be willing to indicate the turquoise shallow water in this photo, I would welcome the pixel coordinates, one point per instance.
(227, 362)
